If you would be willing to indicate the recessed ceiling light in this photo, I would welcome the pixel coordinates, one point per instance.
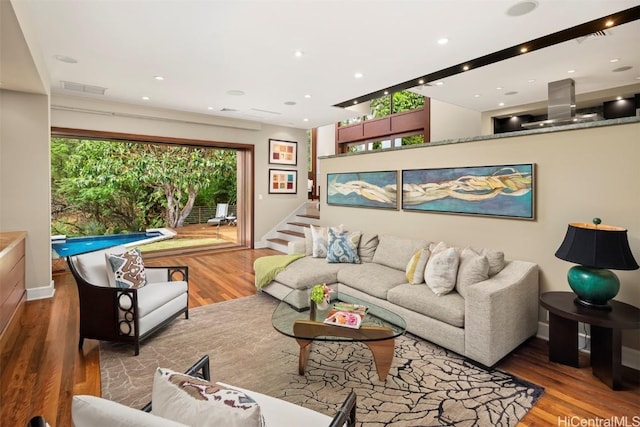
(355, 102)
(235, 92)
(614, 60)
(638, 78)
(145, 98)
(477, 95)
(209, 108)
(499, 88)
(421, 81)
(618, 98)
(522, 8)
(305, 120)
(159, 78)
(439, 83)
(358, 75)
(571, 71)
(465, 68)
(67, 59)
(307, 96)
(298, 53)
(609, 23)
(443, 41)
(531, 80)
(501, 104)
(524, 50)
(386, 92)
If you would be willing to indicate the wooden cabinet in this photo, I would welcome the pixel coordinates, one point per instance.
(12, 275)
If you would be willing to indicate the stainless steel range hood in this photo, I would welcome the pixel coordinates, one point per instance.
(562, 106)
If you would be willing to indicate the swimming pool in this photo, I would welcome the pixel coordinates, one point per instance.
(64, 247)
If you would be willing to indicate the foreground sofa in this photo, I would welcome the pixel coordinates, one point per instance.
(483, 321)
(191, 399)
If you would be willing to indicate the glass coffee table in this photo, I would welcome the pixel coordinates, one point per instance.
(378, 330)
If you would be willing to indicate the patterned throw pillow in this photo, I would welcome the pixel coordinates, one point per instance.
(343, 247)
(319, 236)
(196, 402)
(127, 269)
(416, 266)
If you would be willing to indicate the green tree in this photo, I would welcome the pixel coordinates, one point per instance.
(402, 101)
(110, 186)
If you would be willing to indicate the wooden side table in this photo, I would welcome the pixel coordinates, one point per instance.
(606, 334)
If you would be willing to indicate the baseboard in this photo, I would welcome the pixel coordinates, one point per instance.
(630, 356)
(41, 293)
(260, 245)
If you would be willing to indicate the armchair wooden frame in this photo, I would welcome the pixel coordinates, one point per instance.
(110, 314)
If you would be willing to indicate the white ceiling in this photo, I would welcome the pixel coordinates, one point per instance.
(205, 49)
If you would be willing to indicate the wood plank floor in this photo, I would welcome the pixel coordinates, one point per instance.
(41, 369)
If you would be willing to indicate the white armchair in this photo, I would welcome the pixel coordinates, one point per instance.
(126, 315)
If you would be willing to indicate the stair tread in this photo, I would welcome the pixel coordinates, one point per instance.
(300, 224)
(309, 216)
(279, 241)
(291, 233)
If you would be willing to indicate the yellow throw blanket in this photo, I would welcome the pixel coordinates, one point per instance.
(267, 267)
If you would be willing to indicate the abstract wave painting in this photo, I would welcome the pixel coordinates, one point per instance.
(363, 189)
(504, 191)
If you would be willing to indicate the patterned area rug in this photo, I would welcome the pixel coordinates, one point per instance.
(426, 386)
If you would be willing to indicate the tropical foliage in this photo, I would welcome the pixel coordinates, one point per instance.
(110, 186)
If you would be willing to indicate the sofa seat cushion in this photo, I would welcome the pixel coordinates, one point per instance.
(308, 271)
(373, 279)
(447, 308)
(155, 295)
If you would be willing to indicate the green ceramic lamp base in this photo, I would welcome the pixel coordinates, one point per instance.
(593, 286)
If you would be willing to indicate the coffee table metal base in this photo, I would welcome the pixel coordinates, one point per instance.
(382, 343)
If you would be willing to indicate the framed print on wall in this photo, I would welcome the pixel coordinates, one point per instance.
(283, 181)
(363, 189)
(283, 152)
(499, 191)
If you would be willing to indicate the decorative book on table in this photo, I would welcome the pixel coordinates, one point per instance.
(348, 306)
(348, 319)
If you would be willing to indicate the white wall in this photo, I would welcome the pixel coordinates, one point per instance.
(580, 174)
(74, 112)
(449, 121)
(24, 180)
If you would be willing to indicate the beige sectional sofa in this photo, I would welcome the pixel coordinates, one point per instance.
(495, 316)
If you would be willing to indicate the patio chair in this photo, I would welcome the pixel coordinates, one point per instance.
(129, 315)
(222, 211)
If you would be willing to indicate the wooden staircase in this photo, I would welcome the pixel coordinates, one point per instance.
(293, 228)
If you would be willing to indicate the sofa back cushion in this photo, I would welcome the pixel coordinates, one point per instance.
(92, 266)
(367, 246)
(395, 252)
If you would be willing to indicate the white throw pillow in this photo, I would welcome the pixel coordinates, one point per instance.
(473, 268)
(441, 271)
(92, 411)
(198, 403)
(495, 258)
(308, 241)
(416, 266)
(320, 240)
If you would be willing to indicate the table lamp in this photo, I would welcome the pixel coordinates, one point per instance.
(596, 248)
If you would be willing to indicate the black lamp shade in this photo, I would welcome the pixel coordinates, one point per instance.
(601, 246)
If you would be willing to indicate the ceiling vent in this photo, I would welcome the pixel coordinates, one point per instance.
(79, 87)
(228, 110)
(597, 34)
(265, 111)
